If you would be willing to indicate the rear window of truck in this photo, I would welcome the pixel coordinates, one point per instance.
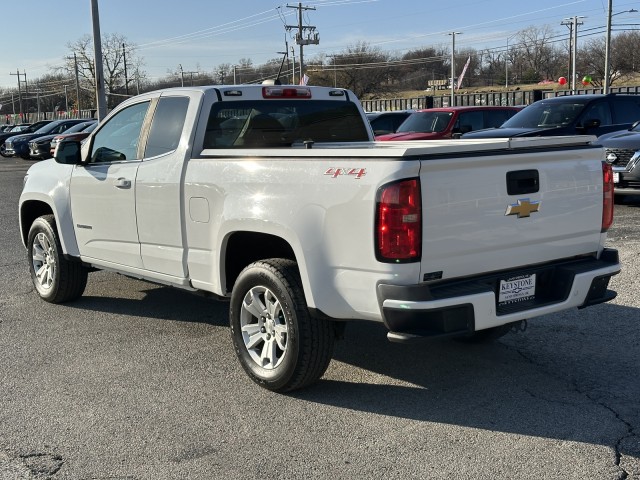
(283, 123)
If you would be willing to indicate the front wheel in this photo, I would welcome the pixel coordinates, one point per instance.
(55, 278)
(3, 150)
(279, 344)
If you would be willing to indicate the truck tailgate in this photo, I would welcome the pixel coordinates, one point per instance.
(482, 212)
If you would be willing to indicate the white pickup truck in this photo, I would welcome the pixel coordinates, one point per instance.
(278, 199)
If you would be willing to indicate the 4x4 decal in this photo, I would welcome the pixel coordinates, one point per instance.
(358, 173)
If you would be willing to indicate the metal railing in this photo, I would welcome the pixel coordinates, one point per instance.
(513, 98)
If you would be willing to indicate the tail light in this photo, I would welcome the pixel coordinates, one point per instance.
(399, 222)
(607, 196)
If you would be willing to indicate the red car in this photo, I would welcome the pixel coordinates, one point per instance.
(82, 132)
(449, 122)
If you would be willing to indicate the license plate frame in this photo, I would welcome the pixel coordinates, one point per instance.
(517, 289)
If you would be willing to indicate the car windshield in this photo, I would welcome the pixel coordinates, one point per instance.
(543, 115)
(425, 122)
(79, 127)
(47, 128)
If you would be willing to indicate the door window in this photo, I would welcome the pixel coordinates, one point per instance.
(118, 139)
(495, 118)
(598, 111)
(166, 128)
(469, 121)
(627, 110)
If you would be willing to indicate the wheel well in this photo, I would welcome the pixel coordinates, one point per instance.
(244, 248)
(29, 212)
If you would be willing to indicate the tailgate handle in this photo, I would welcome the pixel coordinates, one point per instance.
(520, 182)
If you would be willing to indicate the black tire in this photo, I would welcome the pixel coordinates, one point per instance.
(55, 278)
(3, 150)
(487, 335)
(269, 316)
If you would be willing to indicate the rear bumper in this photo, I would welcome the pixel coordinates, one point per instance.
(460, 307)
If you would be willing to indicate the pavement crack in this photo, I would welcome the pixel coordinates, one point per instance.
(46, 464)
(617, 447)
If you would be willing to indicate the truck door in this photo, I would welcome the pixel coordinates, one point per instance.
(159, 203)
(103, 190)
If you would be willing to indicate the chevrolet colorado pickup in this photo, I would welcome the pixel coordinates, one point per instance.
(277, 199)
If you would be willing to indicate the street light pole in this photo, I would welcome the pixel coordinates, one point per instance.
(607, 49)
(607, 46)
(453, 66)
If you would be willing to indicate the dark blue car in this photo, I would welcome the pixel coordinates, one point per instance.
(569, 115)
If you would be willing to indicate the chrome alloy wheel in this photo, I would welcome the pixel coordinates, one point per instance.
(44, 261)
(264, 327)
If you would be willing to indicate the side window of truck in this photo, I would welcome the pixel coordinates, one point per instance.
(117, 140)
(166, 127)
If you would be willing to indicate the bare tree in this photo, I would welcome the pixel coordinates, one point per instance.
(419, 66)
(115, 49)
(363, 69)
(534, 57)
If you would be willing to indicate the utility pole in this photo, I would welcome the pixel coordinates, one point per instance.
(126, 79)
(311, 38)
(66, 100)
(574, 46)
(75, 63)
(569, 24)
(38, 101)
(101, 99)
(181, 75)
(20, 88)
(453, 66)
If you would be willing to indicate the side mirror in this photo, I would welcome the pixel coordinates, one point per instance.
(68, 152)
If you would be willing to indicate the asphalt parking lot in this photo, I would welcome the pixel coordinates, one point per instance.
(139, 381)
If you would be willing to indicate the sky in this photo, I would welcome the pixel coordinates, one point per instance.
(199, 35)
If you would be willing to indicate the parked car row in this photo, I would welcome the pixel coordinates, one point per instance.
(614, 119)
(34, 142)
(43, 147)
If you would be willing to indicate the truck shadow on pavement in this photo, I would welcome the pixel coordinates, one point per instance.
(570, 376)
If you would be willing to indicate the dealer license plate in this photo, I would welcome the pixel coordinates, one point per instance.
(517, 289)
(616, 177)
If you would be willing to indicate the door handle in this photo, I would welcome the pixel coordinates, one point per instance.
(122, 183)
(521, 182)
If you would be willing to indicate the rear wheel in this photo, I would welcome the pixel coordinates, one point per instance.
(279, 344)
(56, 279)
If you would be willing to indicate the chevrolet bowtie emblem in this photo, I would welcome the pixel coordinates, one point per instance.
(524, 208)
